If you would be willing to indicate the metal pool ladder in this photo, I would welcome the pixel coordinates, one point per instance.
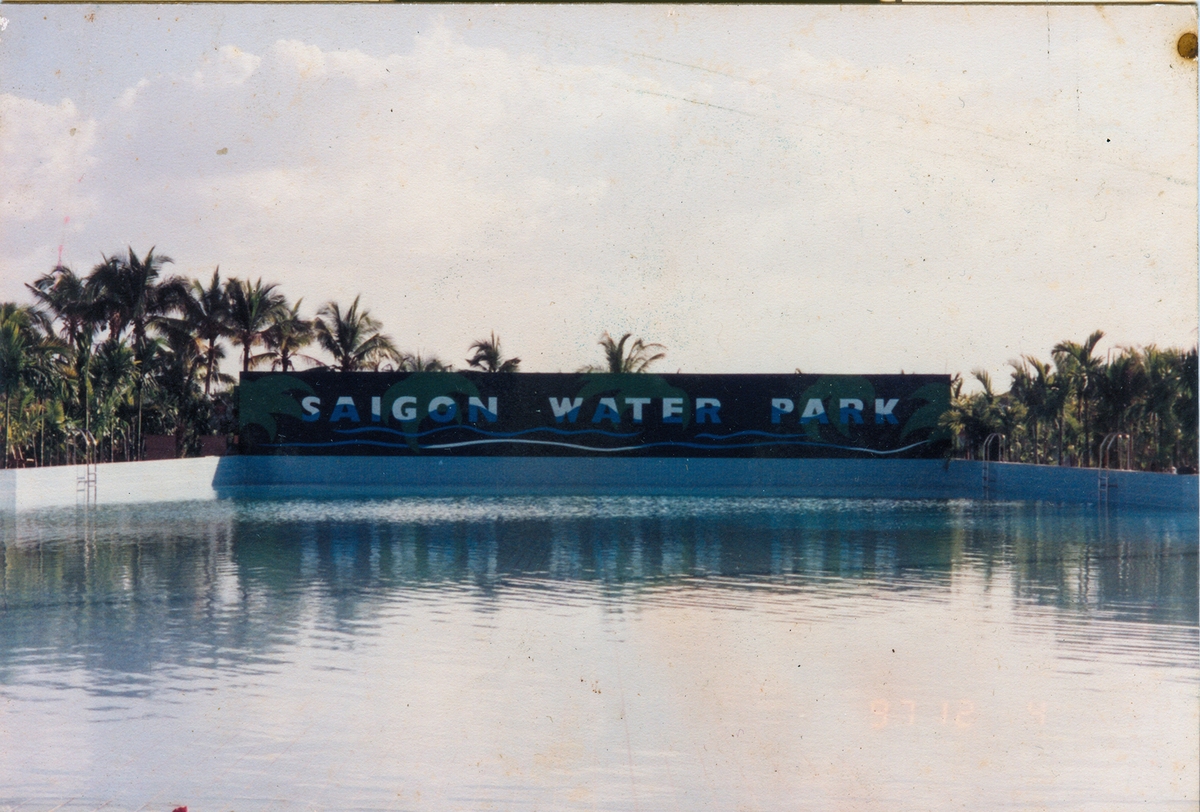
(988, 476)
(1105, 482)
(85, 483)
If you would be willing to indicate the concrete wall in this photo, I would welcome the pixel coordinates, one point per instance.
(266, 477)
(897, 479)
(116, 483)
(1053, 484)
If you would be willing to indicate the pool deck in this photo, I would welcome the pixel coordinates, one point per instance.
(208, 478)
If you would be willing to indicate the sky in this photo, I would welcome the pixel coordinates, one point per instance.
(863, 189)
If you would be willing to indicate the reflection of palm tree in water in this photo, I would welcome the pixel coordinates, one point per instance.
(588, 539)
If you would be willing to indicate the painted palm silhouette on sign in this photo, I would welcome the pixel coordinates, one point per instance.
(937, 403)
(423, 388)
(623, 387)
(259, 401)
(831, 390)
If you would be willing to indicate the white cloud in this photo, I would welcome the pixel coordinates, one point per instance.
(45, 152)
(129, 97)
(231, 66)
(791, 208)
(306, 60)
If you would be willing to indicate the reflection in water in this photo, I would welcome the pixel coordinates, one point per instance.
(120, 616)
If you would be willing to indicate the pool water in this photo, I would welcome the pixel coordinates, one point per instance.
(608, 653)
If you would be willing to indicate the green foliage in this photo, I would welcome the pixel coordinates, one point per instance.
(252, 310)
(618, 359)
(1060, 411)
(413, 362)
(354, 339)
(123, 351)
(287, 335)
(488, 357)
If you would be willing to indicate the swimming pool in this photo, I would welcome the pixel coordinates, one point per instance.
(599, 653)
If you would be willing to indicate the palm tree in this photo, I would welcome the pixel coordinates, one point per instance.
(353, 338)
(129, 293)
(1121, 389)
(1012, 419)
(488, 358)
(411, 362)
(81, 376)
(982, 412)
(252, 311)
(1081, 369)
(177, 382)
(14, 359)
(24, 353)
(1163, 388)
(287, 335)
(70, 300)
(1186, 409)
(1058, 394)
(205, 314)
(65, 296)
(617, 359)
(20, 430)
(114, 374)
(1034, 388)
(49, 380)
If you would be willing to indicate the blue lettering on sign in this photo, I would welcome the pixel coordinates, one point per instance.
(344, 409)
(850, 411)
(404, 408)
(672, 410)
(706, 410)
(607, 410)
(565, 408)
(637, 404)
(780, 407)
(312, 409)
(883, 412)
(815, 410)
(435, 409)
(475, 408)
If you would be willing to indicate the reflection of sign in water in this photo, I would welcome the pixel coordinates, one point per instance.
(534, 414)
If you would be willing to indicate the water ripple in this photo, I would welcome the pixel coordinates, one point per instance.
(596, 653)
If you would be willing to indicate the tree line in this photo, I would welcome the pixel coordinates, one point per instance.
(103, 360)
(1135, 407)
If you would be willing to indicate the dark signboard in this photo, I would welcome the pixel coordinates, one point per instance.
(536, 414)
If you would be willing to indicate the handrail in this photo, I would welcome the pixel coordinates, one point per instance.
(89, 441)
(999, 438)
(86, 483)
(987, 463)
(1114, 440)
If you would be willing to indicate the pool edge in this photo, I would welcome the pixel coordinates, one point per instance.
(209, 478)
